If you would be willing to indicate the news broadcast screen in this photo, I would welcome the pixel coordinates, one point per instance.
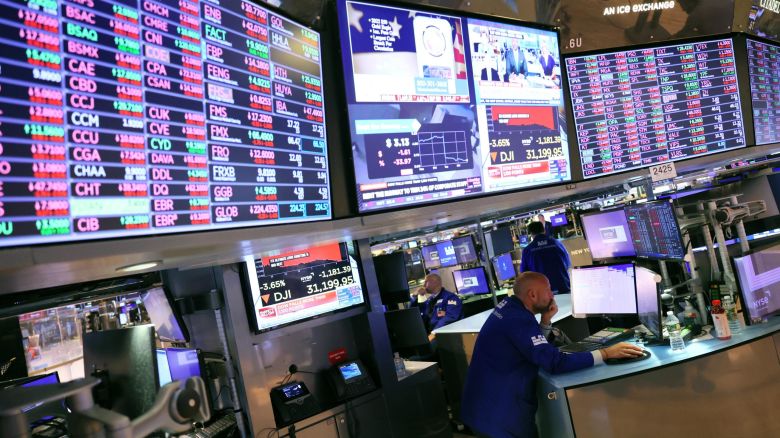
(296, 285)
(444, 106)
(138, 118)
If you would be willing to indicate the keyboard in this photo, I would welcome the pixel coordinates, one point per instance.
(578, 347)
(221, 427)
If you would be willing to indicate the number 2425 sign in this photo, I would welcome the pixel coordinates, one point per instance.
(663, 171)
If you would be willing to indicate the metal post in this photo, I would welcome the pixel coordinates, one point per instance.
(740, 226)
(696, 285)
(723, 250)
(230, 371)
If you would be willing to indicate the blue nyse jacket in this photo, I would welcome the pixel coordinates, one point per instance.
(447, 308)
(499, 396)
(548, 256)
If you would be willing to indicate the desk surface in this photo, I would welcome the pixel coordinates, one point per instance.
(662, 356)
(474, 323)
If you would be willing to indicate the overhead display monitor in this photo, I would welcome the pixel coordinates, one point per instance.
(604, 290)
(145, 118)
(168, 324)
(444, 106)
(559, 220)
(465, 250)
(764, 69)
(430, 255)
(640, 107)
(471, 281)
(447, 256)
(654, 231)
(293, 286)
(759, 281)
(607, 234)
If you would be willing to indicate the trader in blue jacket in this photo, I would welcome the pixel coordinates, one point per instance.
(442, 306)
(545, 254)
(499, 396)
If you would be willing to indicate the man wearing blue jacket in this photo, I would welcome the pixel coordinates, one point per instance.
(499, 396)
(442, 306)
(545, 254)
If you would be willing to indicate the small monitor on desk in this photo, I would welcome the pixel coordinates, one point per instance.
(604, 290)
(608, 235)
(648, 301)
(471, 281)
(505, 269)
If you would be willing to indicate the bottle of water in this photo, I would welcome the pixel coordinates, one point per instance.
(675, 337)
(400, 366)
(731, 314)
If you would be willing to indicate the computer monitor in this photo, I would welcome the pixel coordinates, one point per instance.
(447, 256)
(465, 251)
(430, 255)
(505, 269)
(184, 363)
(163, 369)
(607, 234)
(391, 278)
(471, 281)
(604, 290)
(125, 360)
(168, 323)
(654, 231)
(648, 301)
(758, 273)
(501, 240)
(406, 329)
(27, 382)
(559, 220)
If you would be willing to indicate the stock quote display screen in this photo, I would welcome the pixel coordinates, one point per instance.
(297, 285)
(123, 118)
(764, 69)
(638, 108)
(443, 107)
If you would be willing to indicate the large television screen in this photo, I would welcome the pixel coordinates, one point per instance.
(639, 107)
(292, 286)
(443, 106)
(608, 235)
(764, 69)
(654, 230)
(144, 118)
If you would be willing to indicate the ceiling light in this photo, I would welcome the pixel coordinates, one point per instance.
(139, 266)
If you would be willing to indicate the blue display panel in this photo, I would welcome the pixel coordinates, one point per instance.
(505, 269)
(637, 108)
(471, 281)
(608, 234)
(764, 69)
(447, 106)
(127, 118)
(447, 255)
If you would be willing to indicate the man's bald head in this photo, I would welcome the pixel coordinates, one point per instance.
(432, 283)
(533, 289)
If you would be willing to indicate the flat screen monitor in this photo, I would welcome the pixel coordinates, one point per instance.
(167, 323)
(443, 106)
(44, 379)
(764, 70)
(759, 282)
(128, 358)
(430, 255)
(604, 290)
(504, 267)
(184, 363)
(447, 255)
(607, 234)
(157, 117)
(501, 240)
(406, 329)
(163, 368)
(640, 107)
(291, 286)
(471, 281)
(559, 220)
(465, 251)
(648, 301)
(654, 231)
(391, 278)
